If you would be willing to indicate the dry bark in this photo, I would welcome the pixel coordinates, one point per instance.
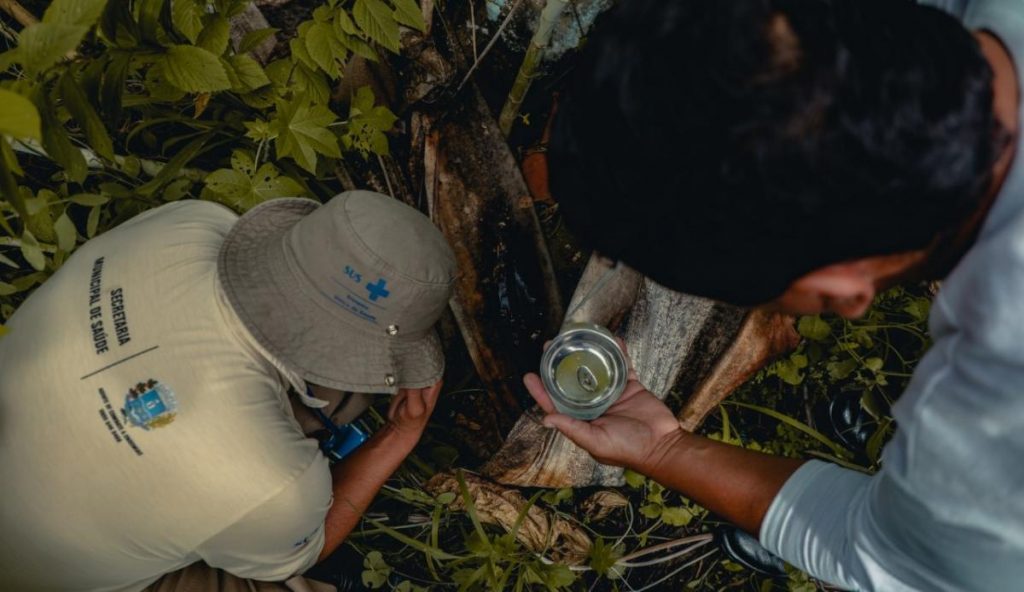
(675, 341)
(540, 531)
(764, 336)
(506, 300)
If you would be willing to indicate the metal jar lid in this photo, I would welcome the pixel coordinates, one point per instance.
(584, 370)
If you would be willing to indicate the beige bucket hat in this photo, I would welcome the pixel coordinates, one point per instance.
(345, 294)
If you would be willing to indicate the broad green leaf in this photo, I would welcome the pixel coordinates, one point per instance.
(3, 330)
(813, 328)
(149, 13)
(651, 511)
(603, 558)
(253, 39)
(93, 222)
(194, 70)
(634, 479)
(302, 133)
(676, 516)
(177, 189)
(7, 289)
(215, 36)
(89, 199)
(66, 233)
(376, 570)
(242, 188)
(82, 111)
(18, 118)
(187, 16)
(324, 49)
(918, 308)
(83, 13)
(377, 20)
(408, 12)
(249, 72)
(841, 369)
(874, 364)
(31, 251)
(42, 45)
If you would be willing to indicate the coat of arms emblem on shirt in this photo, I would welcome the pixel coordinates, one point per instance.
(149, 405)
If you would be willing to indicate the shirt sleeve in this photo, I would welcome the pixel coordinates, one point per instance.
(280, 538)
(860, 532)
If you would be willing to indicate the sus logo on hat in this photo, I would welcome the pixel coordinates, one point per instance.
(346, 293)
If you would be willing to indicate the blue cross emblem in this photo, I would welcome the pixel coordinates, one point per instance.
(378, 289)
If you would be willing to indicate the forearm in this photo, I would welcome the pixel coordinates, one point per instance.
(735, 483)
(356, 481)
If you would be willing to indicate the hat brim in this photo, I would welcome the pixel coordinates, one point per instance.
(264, 292)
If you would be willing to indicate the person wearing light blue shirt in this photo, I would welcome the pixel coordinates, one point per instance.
(800, 156)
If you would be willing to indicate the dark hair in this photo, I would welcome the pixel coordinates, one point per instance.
(727, 147)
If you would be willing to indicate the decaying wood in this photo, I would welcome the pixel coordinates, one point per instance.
(506, 299)
(251, 19)
(664, 332)
(540, 531)
(763, 337)
(604, 294)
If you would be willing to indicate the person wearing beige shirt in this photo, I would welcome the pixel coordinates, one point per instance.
(149, 437)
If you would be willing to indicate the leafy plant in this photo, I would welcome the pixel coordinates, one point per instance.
(112, 108)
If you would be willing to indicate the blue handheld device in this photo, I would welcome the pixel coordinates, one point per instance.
(340, 440)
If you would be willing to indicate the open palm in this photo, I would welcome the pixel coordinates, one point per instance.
(629, 434)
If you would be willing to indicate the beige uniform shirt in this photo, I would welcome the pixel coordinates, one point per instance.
(140, 431)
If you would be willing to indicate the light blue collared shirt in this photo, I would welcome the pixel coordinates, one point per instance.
(946, 512)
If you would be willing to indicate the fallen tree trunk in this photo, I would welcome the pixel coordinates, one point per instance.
(674, 340)
(506, 300)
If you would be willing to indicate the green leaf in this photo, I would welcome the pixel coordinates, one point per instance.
(796, 424)
(676, 516)
(42, 45)
(215, 36)
(874, 364)
(31, 251)
(376, 570)
(83, 13)
(603, 558)
(813, 328)
(82, 111)
(89, 199)
(3, 330)
(7, 289)
(408, 12)
(19, 117)
(250, 74)
(324, 49)
(67, 236)
(242, 188)
(302, 133)
(377, 20)
(651, 511)
(253, 39)
(841, 369)
(634, 479)
(918, 308)
(56, 141)
(194, 70)
(93, 222)
(187, 16)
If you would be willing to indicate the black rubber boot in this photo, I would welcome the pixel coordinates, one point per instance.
(748, 552)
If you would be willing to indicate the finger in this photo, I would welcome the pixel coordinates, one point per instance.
(536, 388)
(432, 394)
(581, 432)
(395, 401)
(414, 403)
